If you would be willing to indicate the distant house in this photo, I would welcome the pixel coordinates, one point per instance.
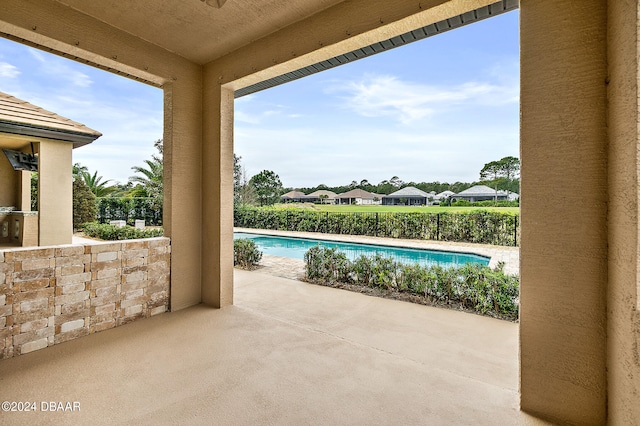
(444, 195)
(480, 193)
(358, 196)
(293, 197)
(321, 196)
(409, 196)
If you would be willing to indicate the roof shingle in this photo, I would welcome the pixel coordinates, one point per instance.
(21, 117)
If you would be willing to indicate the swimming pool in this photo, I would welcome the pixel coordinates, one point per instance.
(296, 248)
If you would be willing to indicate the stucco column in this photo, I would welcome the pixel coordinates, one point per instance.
(55, 193)
(182, 212)
(564, 210)
(217, 193)
(24, 191)
(623, 321)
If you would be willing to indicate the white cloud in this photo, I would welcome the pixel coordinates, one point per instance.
(61, 69)
(80, 79)
(8, 71)
(254, 117)
(250, 110)
(244, 117)
(388, 96)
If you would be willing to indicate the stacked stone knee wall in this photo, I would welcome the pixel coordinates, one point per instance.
(49, 295)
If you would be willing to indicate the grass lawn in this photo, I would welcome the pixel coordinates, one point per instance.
(403, 209)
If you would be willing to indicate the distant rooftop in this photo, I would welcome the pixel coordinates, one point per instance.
(330, 194)
(22, 118)
(480, 191)
(445, 194)
(358, 193)
(409, 191)
(293, 194)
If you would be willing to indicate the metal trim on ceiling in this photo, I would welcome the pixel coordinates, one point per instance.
(77, 59)
(485, 12)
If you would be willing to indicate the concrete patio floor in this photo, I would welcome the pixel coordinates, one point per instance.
(287, 353)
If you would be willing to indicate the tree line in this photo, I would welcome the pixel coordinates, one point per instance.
(265, 188)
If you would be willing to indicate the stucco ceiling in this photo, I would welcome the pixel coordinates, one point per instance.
(195, 30)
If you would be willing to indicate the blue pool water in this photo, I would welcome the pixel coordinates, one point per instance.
(296, 248)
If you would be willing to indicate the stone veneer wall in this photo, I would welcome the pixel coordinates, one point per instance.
(49, 295)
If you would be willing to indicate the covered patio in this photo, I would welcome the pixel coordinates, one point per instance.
(579, 330)
(287, 352)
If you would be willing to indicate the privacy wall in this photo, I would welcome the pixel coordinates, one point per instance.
(49, 295)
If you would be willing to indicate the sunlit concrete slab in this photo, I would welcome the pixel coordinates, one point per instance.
(287, 353)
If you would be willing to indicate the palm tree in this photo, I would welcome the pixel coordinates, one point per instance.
(96, 184)
(148, 180)
(78, 169)
(150, 183)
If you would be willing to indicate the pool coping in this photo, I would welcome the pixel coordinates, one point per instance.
(509, 255)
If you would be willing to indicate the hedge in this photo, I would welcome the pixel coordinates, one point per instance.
(129, 209)
(484, 227)
(111, 232)
(472, 286)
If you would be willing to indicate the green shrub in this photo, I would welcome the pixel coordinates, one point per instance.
(111, 232)
(327, 265)
(84, 204)
(484, 227)
(485, 203)
(461, 203)
(245, 253)
(479, 288)
(383, 272)
(362, 270)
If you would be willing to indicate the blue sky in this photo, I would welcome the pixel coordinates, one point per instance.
(437, 109)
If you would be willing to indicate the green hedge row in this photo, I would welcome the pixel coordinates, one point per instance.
(129, 209)
(486, 203)
(483, 227)
(482, 289)
(111, 232)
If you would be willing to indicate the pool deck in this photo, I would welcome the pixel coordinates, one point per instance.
(294, 269)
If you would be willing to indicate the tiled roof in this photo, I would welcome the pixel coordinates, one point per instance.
(409, 191)
(293, 194)
(21, 117)
(358, 193)
(330, 194)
